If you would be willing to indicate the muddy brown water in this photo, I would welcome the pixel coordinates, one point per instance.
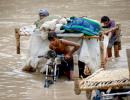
(17, 85)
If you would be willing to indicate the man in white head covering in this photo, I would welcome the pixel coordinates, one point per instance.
(43, 13)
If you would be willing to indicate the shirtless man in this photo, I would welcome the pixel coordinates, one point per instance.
(65, 47)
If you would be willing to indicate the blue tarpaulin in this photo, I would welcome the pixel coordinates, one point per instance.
(83, 25)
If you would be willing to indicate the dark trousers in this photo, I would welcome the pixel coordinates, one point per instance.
(66, 67)
(81, 69)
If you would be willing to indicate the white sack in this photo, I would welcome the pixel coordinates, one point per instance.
(90, 53)
(37, 47)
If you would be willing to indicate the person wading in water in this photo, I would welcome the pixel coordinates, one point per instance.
(61, 46)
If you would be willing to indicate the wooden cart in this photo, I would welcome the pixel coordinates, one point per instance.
(85, 84)
(102, 79)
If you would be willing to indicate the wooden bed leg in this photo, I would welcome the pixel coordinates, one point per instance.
(76, 67)
(128, 59)
(102, 51)
(76, 86)
(17, 36)
(109, 89)
(76, 75)
(118, 33)
(88, 95)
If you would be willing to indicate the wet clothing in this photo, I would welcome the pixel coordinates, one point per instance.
(113, 41)
(81, 69)
(66, 67)
(111, 24)
(113, 38)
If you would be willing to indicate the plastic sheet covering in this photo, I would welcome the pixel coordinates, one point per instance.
(90, 53)
(106, 40)
(37, 47)
(87, 26)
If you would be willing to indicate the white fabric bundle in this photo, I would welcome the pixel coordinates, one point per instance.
(90, 53)
(53, 24)
(27, 30)
(37, 47)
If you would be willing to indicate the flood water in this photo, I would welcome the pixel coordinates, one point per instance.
(17, 85)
